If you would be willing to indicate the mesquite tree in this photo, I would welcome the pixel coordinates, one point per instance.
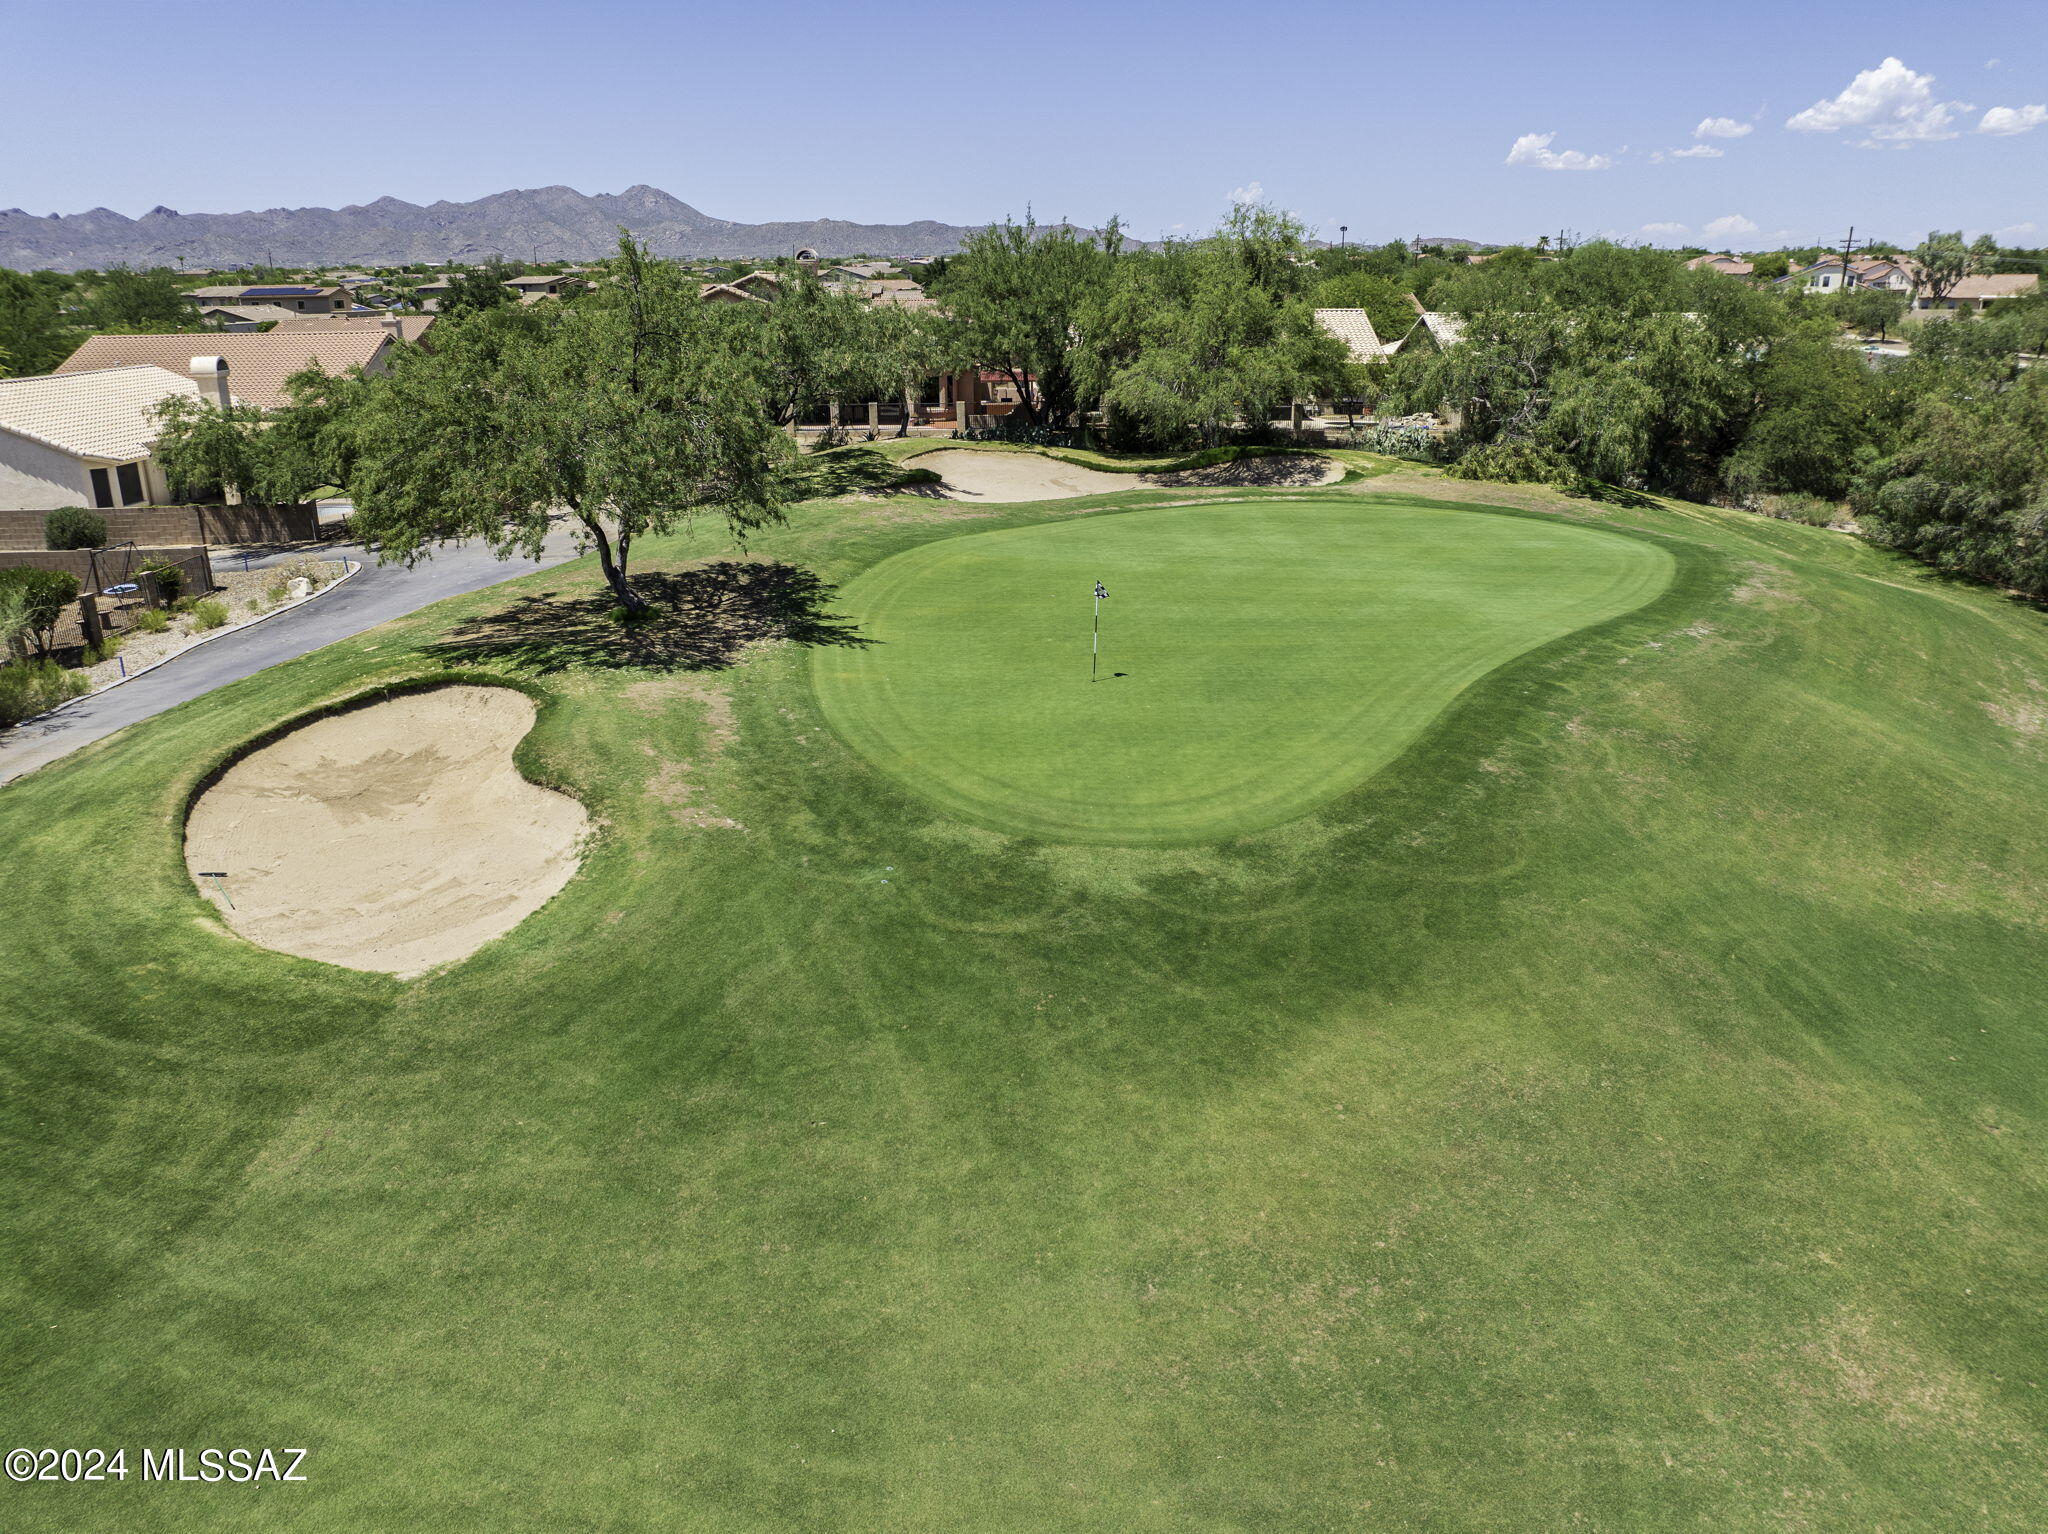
(630, 408)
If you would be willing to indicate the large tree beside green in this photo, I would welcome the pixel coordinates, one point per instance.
(1194, 340)
(1017, 295)
(812, 345)
(632, 410)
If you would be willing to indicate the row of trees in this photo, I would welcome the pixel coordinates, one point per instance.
(637, 407)
(1622, 367)
(44, 315)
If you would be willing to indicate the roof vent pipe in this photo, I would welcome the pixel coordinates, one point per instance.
(211, 374)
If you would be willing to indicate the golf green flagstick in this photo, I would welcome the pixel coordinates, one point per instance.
(1095, 650)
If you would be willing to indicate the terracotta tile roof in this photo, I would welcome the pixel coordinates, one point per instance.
(103, 414)
(411, 326)
(258, 361)
(2003, 285)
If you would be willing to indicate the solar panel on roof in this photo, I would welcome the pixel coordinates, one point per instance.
(276, 292)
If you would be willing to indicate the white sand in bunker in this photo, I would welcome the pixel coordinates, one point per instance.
(973, 476)
(395, 837)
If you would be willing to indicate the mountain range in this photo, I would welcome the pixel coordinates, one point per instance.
(550, 223)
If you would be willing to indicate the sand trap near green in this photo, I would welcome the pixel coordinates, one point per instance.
(1256, 659)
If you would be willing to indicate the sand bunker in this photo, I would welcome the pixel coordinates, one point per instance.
(972, 476)
(394, 837)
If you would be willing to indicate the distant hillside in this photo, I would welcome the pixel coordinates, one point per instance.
(550, 223)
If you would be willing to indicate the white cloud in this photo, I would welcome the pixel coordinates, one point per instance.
(2013, 119)
(1533, 149)
(1697, 152)
(2014, 234)
(1723, 127)
(1252, 193)
(1733, 223)
(1891, 103)
(1666, 231)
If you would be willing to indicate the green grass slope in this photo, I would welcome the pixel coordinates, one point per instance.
(1621, 1113)
(1260, 657)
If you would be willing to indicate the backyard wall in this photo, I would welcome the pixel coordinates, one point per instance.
(177, 525)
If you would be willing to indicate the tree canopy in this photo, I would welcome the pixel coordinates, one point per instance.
(632, 410)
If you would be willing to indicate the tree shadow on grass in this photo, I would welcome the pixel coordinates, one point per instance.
(703, 620)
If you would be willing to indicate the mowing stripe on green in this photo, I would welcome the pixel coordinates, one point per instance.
(1257, 659)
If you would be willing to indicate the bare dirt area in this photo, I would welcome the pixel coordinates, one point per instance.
(396, 837)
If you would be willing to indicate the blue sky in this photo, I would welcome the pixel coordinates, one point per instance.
(1487, 119)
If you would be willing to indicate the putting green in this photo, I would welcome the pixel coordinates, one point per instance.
(1256, 659)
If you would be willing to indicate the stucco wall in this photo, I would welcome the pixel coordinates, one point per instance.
(38, 478)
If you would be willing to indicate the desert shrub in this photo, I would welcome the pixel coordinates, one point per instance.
(28, 688)
(208, 614)
(73, 527)
(1813, 510)
(170, 580)
(108, 647)
(276, 592)
(152, 620)
(43, 595)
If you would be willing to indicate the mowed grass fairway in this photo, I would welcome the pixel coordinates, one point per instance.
(1622, 1112)
(1261, 658)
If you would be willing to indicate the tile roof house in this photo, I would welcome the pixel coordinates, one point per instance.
(408, 326)
(727, 293)
(1728, 266)
(86, 438)
(1977, 293)
(258, 362)
(1445, 329)
(545, 286)
(1354, 328)
(291, 297)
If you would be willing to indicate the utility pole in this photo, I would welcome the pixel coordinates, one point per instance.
(1850, 245)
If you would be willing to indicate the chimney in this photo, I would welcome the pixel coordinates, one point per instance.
(394, 327)
(211, 374)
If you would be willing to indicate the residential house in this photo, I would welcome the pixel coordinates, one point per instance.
(1976, 293)
(728, 293)
(86, 438)
(290, 297)
(1726, 265)
(900, 292)
(258, 363)
(546, 286)
(404, 327)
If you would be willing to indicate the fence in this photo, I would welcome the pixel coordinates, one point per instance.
(97, 569)
(178, 526)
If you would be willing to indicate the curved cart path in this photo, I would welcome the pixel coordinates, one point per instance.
(377, 594)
